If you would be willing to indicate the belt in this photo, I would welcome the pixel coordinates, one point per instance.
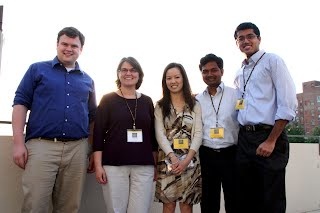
(220, 149)
(59, 139)
(255, 128)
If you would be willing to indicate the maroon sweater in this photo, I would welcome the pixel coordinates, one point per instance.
(113, 118)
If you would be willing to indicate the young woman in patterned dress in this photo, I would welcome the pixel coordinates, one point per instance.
(179, 134)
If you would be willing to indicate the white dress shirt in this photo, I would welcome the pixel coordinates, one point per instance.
(270, 92)
(227, 116)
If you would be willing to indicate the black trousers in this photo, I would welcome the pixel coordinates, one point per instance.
(260, 180)
(217, 168)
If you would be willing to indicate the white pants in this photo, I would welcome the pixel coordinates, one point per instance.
(129, 188)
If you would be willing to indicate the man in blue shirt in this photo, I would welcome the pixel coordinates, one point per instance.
(267, 102)
(62, 104)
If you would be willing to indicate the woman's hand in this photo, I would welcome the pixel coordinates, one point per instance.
(181, 166)
(101, 175)
(184, 163)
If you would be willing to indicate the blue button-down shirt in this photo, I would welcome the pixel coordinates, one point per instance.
(61, 103)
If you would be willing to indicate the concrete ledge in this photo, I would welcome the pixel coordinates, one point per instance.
(303, 182)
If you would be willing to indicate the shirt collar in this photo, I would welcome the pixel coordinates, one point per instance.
(219, 89)
(254, 58)
(56, 62)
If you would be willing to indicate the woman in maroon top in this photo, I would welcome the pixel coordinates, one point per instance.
(124, 143)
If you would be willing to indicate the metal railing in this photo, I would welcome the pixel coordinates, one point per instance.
(5, 122)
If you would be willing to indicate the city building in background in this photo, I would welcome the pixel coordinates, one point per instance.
(308, 112)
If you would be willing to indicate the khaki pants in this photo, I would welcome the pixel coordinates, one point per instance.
(55, 172)
(129, 189)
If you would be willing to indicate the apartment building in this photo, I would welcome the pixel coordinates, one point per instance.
(308, 112)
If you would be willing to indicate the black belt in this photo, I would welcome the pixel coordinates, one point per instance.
(59, 139)
(255, 128)
(226, 149)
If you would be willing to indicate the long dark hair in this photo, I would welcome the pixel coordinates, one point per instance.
(165, 101)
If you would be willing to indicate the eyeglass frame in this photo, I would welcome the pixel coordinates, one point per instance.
(125, 70)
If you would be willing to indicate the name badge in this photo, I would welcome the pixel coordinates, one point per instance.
(180, 143)
(217, 132)
(240, 104)
(134, 135)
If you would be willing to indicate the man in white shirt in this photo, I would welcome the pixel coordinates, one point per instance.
(220, 135)
(266, 103)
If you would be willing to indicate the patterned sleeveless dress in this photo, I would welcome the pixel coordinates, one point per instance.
(185, 188)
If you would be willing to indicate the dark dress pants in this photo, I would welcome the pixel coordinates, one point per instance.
(260, 180)
(217, 168)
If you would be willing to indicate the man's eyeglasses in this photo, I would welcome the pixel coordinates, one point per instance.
(248, 37)
(124, 70)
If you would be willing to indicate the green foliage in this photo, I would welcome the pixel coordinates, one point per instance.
(312, 139)
(295, 133)
(295, 129)
(315, 136)
(316, 131)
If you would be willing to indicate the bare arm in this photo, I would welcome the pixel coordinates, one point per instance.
(100, 172)
(20, 153)
(266, 148)
(277, 130)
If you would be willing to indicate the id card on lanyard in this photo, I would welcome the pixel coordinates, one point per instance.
(134, 135)
(240, 104)
(217, 132)
(181, 143)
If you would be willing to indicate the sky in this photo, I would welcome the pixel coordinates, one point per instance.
(156, 33)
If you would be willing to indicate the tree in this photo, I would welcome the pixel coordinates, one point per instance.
(295, 130)
(316, 131)
(315, 136)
